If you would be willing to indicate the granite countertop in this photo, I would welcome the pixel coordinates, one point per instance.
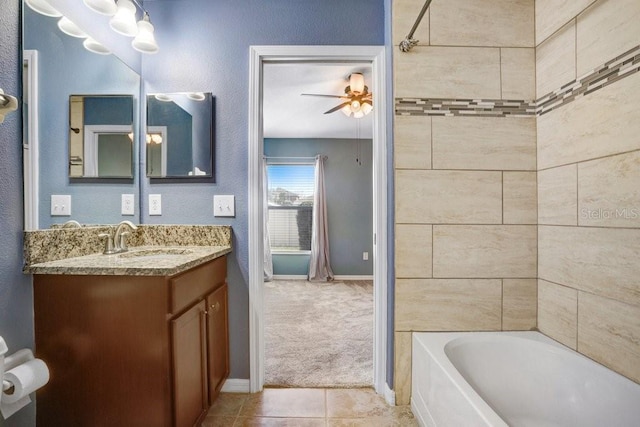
(138, 261)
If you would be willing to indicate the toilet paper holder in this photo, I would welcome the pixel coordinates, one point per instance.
(7, 387)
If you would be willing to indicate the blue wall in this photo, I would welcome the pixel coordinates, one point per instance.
(204, 46)
(349, 192)
(67, 68)
(16, 295)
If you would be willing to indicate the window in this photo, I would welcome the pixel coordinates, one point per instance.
(290, 196)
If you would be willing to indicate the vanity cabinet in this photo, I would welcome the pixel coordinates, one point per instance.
(132, 350)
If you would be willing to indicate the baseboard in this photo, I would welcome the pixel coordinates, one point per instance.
(338, 277)
(389, 395)
(347, 277)
(234, 385)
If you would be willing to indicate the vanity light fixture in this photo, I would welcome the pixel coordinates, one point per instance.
(103, 7)
(145, 41)
(43, 7)
(69, 28)
(124, 21)
(94, 46)
(196, 96)
(154, 138)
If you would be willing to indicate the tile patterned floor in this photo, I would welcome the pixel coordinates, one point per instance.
(307, 407)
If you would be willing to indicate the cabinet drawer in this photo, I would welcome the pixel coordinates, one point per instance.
(196, 283)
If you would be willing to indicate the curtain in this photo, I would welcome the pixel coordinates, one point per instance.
(319, 265)
(268, 260)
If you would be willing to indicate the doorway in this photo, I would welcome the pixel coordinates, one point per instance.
(373, 55)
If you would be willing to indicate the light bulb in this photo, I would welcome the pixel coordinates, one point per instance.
(355, 106)
(157, 138)
(124, 21)
(145, 41)
(148, 138)
(356, 82)
(93, 46)
(43, 7)
(103, 7)
(69, 28)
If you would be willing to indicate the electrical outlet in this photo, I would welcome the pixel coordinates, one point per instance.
(224, 206)
(365, 256)
(155, 204)
(127, 205)
(60, 205)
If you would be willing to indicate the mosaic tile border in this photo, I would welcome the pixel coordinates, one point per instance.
(610, 72)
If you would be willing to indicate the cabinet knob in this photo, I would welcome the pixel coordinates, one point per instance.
(215, 306)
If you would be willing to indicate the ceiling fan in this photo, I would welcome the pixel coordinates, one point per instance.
(357, 99)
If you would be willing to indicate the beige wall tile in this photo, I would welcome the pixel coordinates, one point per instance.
(602, 123)
(448, 72)
(556, 60)
(602, 261)
(518, 67)
(403, 15)
(553, 14)
(486, 143)
(448, 304)
(482, 251)
(605, 30)
(413, 250)
(609, 191)
(449, 197)
(488, 23)
(558, 195)
(519, 304)
(412, 142)
(520, 198)
(558, 312)
(402, 373)
(609, 332)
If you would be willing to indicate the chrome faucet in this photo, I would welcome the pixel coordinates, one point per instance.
(116, 243)
(119, 236)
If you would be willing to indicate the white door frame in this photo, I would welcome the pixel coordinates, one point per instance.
(375, 56)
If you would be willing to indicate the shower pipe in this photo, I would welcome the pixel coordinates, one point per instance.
(409, 41)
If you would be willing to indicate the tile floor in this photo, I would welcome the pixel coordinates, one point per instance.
(307, 407)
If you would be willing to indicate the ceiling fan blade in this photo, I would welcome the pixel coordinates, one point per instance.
(334, 109)
(324, 96)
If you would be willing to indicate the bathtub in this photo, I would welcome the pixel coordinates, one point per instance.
(514, 379)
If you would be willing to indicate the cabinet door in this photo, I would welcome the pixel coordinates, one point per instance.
(189, 365)
(218, 341)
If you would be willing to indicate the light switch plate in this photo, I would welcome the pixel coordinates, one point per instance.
(155, 204)
(128, 205)
(224, 205)
(60, 205)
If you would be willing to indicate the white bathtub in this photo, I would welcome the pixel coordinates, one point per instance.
(514, 379)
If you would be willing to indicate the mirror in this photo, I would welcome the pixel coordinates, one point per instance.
(101, 136)
(65, 69)
(180, 136)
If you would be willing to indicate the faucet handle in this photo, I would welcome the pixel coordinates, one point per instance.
(108, 244)
(122, 244)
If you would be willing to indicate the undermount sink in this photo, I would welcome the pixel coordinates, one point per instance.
(156, 252)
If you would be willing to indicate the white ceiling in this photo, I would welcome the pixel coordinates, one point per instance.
(287, 114)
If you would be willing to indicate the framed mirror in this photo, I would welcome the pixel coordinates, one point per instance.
(180, 137)
(101, 138)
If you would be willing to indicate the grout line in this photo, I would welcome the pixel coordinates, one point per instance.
(590, 160)
(577, 195)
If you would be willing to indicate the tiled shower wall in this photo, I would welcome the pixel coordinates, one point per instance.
(482, 104)
(589, 180)
(465, 171)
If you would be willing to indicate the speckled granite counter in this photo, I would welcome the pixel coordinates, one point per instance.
(79, 250)
(139, 261)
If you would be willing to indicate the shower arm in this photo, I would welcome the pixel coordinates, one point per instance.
(409, 41)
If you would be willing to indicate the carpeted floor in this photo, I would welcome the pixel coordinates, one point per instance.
(318, 334)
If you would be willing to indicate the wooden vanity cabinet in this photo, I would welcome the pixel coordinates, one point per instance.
(132, 350)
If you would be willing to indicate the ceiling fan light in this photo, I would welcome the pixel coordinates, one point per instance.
(94, 46)
(43, 7)
(103, 7)
(68, 27)
(358, 114)
(366, 108)
(346, 110)
(124, 21)
(356, 82)
(145, 41)
(355, 105)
